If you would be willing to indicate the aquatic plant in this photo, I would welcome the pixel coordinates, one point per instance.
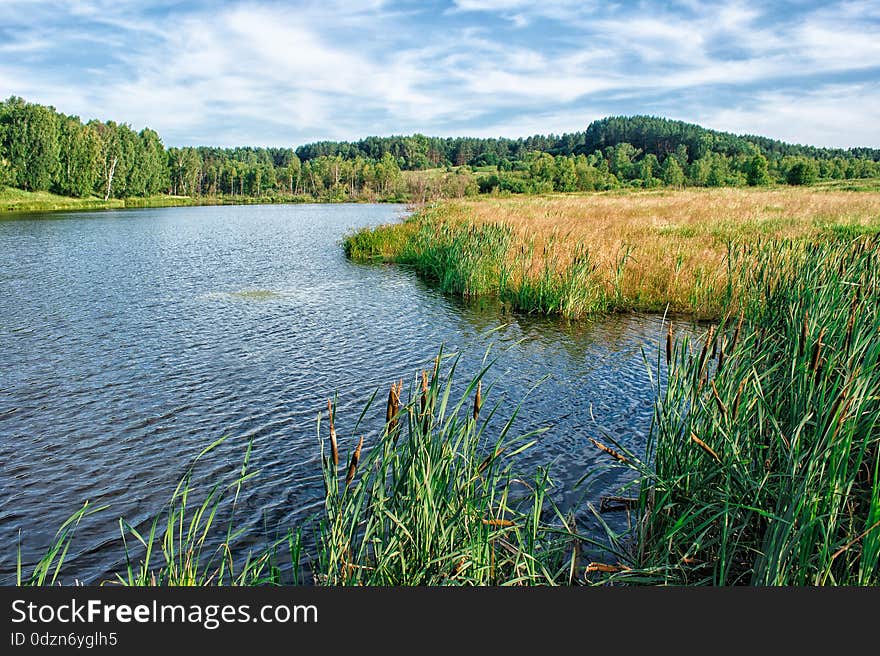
(763, 459)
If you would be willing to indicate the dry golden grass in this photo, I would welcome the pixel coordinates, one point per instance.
(671, 244)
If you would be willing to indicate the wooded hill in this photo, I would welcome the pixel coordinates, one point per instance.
(44, 150)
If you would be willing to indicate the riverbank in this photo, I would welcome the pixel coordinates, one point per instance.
(576, 255)
(14, 201)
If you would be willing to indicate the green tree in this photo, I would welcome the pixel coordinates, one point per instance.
(719, 169)
(112, 153)
(681, 154)
(621, 160)
(153, 161)
(565, 177)
(589, 177)
(673, 174)
(648, 168)
(186, 171)
(79, 158)
(31, 144)
(757, 171)
(802, 172)
(292, 174)
(387, 174)
(542, 168)
(463, 152)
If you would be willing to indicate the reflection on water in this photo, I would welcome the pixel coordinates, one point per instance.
(130, 340)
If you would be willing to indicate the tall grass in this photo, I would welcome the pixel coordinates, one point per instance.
(763, 460)
(461, 259)
(577, 255)
(193, 548)
(48, 568)
(435, 501)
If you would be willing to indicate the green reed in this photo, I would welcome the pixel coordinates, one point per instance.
(762, 463)
(464, 260)
(434, 501)
(186, 544)
(469, 259)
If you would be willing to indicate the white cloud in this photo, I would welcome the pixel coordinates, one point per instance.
(491, 5)
(521, 12)
(267, 72)
(836, 115)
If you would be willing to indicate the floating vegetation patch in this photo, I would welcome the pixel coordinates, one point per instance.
(243, 295)
(254, 294)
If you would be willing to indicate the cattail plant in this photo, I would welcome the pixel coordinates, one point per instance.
(353, 465)
(441, 506)
(334, 448)
(478, 400)
(392, 422)
(777, 481)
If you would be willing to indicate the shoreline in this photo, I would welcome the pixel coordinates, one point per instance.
(9, 208)
(14, 201)
(577, 256)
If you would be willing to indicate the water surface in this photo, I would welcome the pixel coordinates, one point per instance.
(130, 340)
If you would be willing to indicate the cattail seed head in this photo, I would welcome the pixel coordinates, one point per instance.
(355, 457)
(611, 452)
(393, 407)
(478, 400)
(334, 448)
(803, 343)
(709, 335)
(817, 352)
(424, 411)
(705, 447)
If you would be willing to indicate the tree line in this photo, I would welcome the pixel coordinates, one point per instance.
(624, 165)
(648, 134)
(45, 150)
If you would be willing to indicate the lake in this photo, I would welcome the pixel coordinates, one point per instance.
(130, 340)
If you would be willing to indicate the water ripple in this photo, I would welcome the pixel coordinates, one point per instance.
(130, 340)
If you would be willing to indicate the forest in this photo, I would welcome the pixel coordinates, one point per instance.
(42, 149)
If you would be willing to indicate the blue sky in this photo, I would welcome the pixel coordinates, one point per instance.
(265, 72)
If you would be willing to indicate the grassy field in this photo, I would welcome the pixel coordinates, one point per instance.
(17, 200)
(614, 251)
